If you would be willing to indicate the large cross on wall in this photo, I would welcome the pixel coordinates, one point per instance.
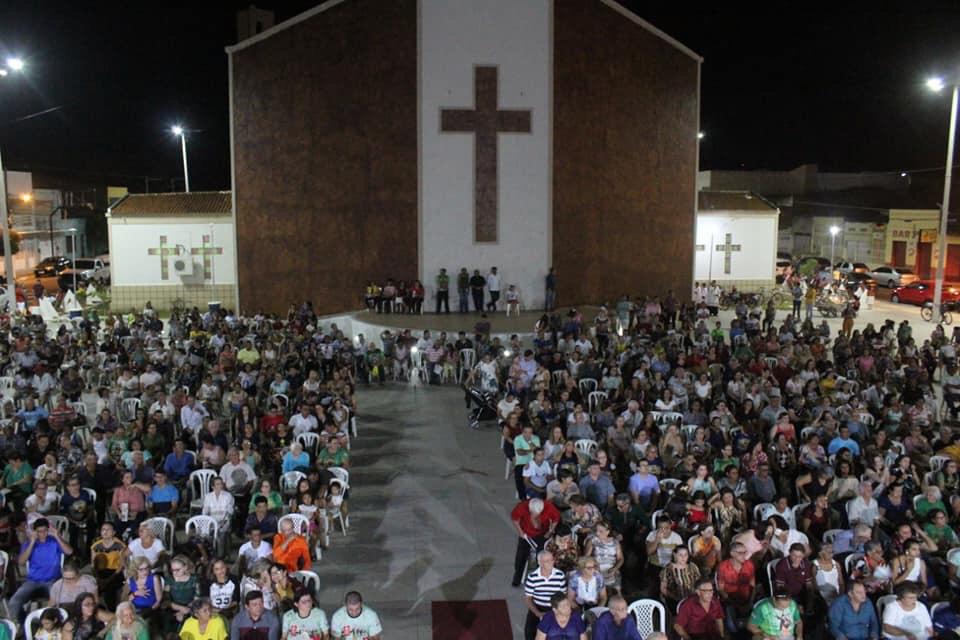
(485, 121)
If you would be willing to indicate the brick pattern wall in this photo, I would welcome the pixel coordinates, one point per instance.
(162, 296)
(625, 140)
(325, 136)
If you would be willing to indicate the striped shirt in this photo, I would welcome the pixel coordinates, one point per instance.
(540, 588)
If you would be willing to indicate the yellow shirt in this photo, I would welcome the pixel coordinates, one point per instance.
(216, 629)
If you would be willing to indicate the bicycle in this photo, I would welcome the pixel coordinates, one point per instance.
(926, 312)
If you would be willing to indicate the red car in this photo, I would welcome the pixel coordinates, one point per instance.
(921, 292)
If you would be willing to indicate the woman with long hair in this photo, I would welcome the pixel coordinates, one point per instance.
(87, 619)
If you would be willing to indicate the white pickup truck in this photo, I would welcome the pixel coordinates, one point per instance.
(87, 269)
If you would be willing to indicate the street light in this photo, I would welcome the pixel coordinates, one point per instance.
(13, 64)
(834, 230)
(937, 85)
(177, 130)
(701, 135)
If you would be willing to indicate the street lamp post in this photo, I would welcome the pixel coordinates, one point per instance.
(179, 131)
(13, 64)
(834, 230)
(937, 84)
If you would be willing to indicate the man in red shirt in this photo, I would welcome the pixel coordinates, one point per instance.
(700, 616)
(736, 586)
(534, 520)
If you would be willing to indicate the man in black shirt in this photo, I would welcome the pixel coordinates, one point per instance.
(477, 285)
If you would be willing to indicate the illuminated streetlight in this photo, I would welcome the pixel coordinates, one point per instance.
(701, 135)
(937, 84)
(834, 230)
(16, 65)
(177, 130)
(26, 197)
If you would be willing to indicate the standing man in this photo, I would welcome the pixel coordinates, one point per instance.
(539, 586)
(493, 284)
(44, 551)
(534, 520)
(477, 283)
(550, 298)
(463, 288)
(443, 291)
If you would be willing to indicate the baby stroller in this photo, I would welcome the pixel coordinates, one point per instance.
(485, 406)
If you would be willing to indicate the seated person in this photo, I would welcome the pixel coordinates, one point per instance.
(163, 498)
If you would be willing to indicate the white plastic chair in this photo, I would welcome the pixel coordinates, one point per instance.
(353, 426)
(468, 358)
(798, 513)
(203, 526)
(953, 556)
(289, 480)
(595, 401)
(937, 462)
(643, 611)
(61, 524)
(669, 484)
(281, 399)
(129, 408)
(831, 534)
(201, 483)
(557, 377)
(882, 602)
(344, 522)
(587, 385)
(309, 579)
(669, 417)
(340, 474)
(11, 628)
(310, 441)
(850, 562)
(80, 408)
(34, 617)
(586, 447)
(771, 570)
(688, 431)
(163, 528)
(301, 524)
(759, 509)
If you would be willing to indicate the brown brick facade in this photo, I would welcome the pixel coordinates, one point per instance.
(325, 143)
(624, 168)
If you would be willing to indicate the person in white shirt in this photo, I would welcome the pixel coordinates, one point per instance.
(218, 504)
(304, 421)
(493, 284)
(537, 474)
(864, 508)
(192, 415)
(162, 405)
(905, 618)
(146, 545)
(506, 406)
(149, 378)
(255, 548)
(238, 476)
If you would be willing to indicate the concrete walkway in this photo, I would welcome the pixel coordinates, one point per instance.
(429, 512)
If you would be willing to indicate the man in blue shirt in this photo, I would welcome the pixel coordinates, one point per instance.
(179, 463)
(852, 616)
(44, 551)
(31, 414)
(844, 441)
(617, 623)
(163, 497)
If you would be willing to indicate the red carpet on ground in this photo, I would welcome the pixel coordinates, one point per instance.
(473, 620)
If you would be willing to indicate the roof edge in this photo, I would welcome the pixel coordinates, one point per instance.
(283, 26)
(630, 15)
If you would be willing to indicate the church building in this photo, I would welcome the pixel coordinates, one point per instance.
(374, 140)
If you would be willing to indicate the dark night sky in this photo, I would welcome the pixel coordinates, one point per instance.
(781, 85)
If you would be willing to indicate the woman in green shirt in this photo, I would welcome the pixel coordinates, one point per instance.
(725, 460)
(18, 477)
(274, 499)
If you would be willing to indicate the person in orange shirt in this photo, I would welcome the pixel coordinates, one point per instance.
(291, 549)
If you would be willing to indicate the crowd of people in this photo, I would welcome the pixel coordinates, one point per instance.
(763, 479)
(196, 497)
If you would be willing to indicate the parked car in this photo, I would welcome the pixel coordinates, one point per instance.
(921, 293)
(845, 266)
(86, 269)
(891, 277)
(51, 266)
(853, 279)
